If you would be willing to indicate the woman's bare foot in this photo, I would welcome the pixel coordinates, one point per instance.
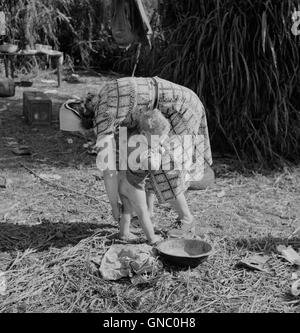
(185, 228)
(155, 240)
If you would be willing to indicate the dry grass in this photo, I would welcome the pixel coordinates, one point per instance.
(49, 238)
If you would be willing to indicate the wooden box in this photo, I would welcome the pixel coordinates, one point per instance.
(37, 108)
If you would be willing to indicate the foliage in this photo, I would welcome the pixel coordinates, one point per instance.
(243, 61)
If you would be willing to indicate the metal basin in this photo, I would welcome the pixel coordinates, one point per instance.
(184, 252)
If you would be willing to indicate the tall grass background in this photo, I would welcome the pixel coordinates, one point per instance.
(240, 57)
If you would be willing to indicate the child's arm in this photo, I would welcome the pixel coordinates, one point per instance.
(106, 146)
(111, 187)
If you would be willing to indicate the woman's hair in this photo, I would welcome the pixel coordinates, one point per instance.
(154, 123)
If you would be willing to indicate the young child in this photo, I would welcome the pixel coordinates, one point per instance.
(132, 183)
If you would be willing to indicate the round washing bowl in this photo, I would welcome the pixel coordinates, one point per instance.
(184, 252)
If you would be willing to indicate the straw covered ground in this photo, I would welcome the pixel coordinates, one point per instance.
(52, 231)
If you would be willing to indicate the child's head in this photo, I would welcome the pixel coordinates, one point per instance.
(154, 123)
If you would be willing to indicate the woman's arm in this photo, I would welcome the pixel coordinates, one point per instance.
(106, 162)
(111, 186)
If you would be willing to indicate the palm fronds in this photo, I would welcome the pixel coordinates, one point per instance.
(243, 61)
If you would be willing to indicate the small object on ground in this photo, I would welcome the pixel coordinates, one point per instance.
(70, 141)
(184, 252)
(73, 78)
(50, 176)
(256, 262)
(7, 88)
(122, 261)
(9, 48)
(5, 182)
(24, 84)
(296, 288)
(2, 182)
(295, 233)
(21, 151)
(51, 92)
(289, 254)
(37, 108)
(221, 194)
(49, 81)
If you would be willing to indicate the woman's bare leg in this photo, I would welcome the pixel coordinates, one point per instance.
(187, 225)
(181, 207)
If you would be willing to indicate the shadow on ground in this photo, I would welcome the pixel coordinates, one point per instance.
(265, 244)
(47, 235)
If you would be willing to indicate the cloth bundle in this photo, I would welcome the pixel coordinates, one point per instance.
(122, 261)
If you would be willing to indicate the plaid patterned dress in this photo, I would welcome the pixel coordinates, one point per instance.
(120, 104)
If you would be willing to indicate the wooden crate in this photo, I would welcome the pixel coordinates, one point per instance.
(37, 108)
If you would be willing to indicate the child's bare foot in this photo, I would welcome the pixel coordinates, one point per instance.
(129, 238)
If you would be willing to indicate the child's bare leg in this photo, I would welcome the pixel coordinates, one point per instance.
(150, 203)
(139, 203)
(150, 196)
(125, 218)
